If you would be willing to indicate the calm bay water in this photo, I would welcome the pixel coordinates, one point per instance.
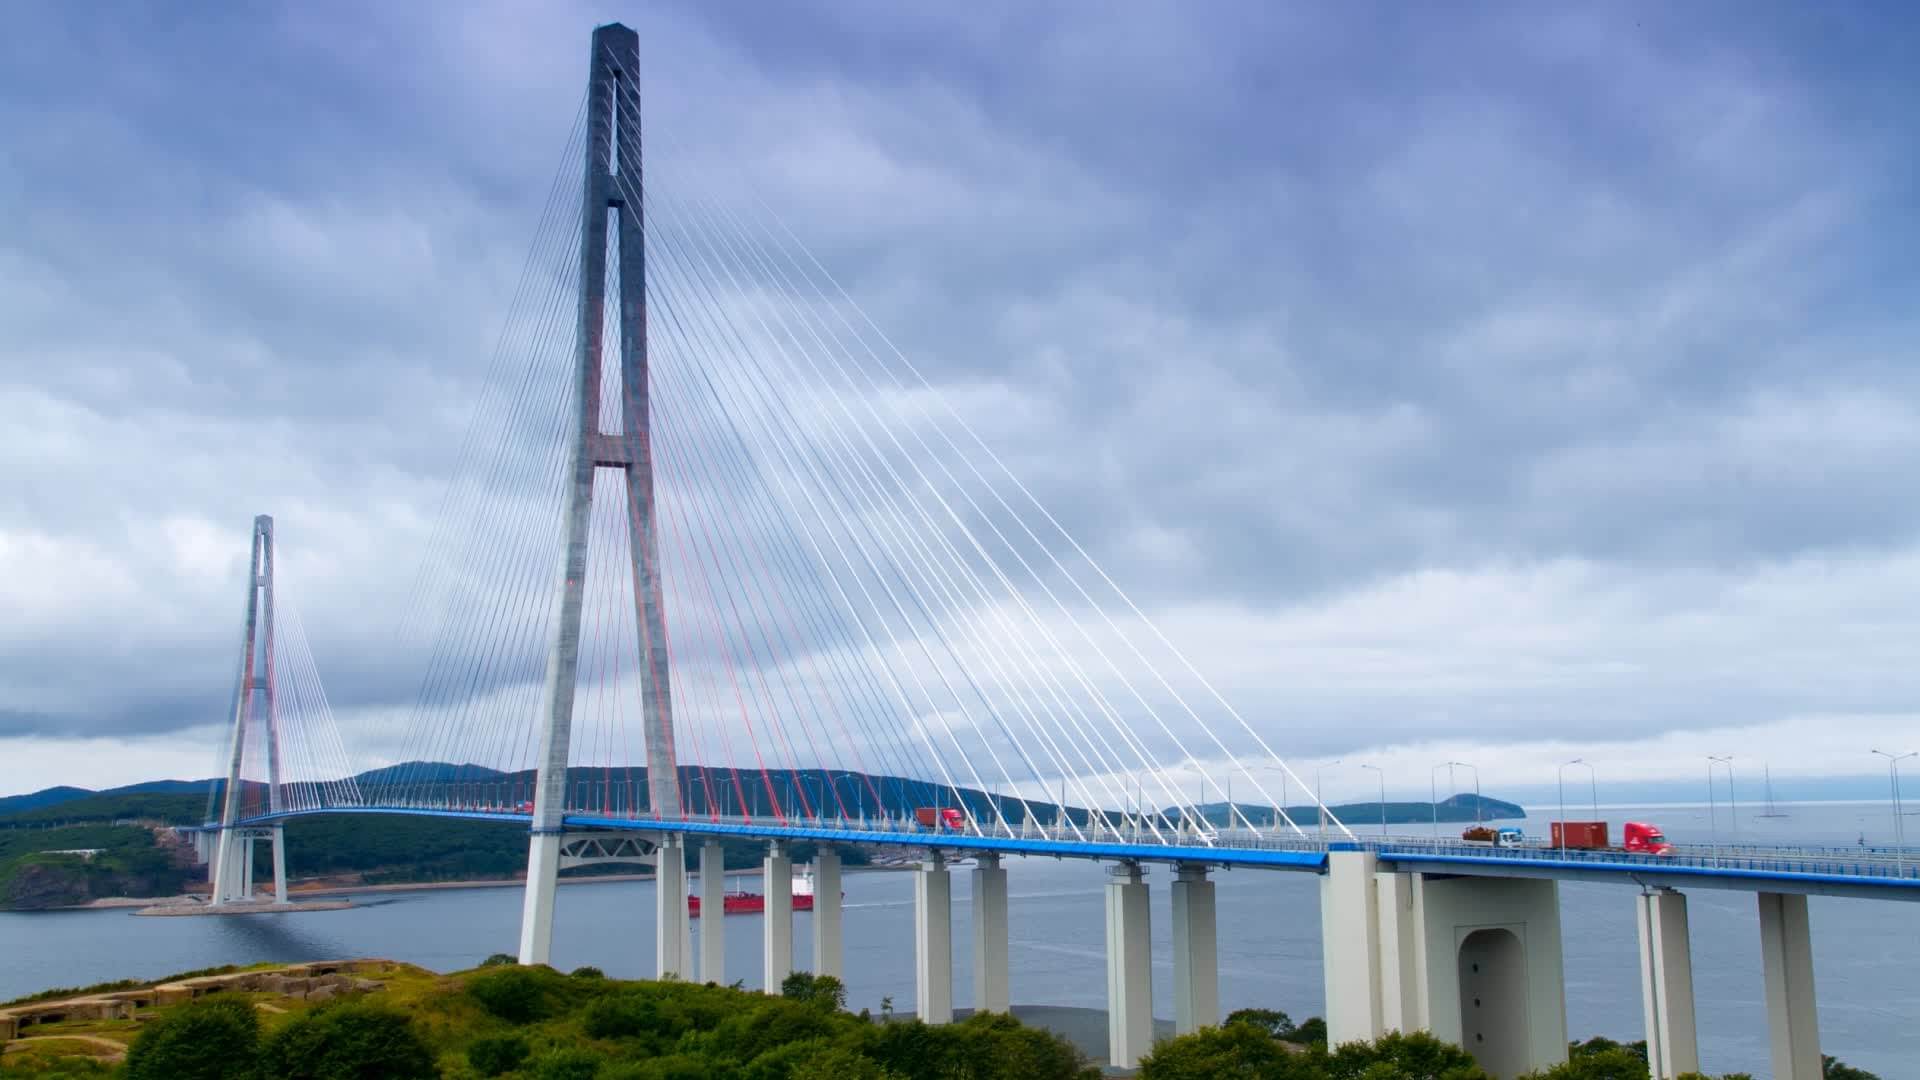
(1867, 953)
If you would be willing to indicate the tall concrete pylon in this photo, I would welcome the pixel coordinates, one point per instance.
(252, 698)
(613, 150)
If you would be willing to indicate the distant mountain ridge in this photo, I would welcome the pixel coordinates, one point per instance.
(813, 789)
(54, 796)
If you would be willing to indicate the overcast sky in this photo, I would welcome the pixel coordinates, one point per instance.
(1505, 383)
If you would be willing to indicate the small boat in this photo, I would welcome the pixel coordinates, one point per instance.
(741, 902)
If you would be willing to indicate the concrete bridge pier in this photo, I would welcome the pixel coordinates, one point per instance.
(672, 936)
(1129, 967)
(246, 868)
(279, 864)
(1474, 960)
(1786, 965)
(777, 883)
(1350, 937)
(828, 955)
(713, 911)
(990, 991)
(1666, 984)
(933, 940)
(1196, 952)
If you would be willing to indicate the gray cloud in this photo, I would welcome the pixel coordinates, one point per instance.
(1278, 310)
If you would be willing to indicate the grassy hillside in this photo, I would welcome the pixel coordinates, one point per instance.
(399, 1021)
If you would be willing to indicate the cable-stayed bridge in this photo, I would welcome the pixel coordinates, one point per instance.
(719, 562)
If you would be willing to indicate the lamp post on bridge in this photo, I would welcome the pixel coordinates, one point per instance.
(1319, 804)
(1279, 807)
(1383, 796)
(1899, 827)
(1560, 775)
(1476, 787)
(1433, 792)
(1733, 801)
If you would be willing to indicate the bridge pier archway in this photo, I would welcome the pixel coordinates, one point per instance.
(1493, 999)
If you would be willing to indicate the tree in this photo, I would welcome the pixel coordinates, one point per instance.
(214, 1038)
(1275, 1023)
(353, 1040)
(1311, 1032)
(1238, 1051)
(1832, 1068)
(500, 959)
(823, 990)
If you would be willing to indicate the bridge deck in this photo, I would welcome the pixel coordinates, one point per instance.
(1879, 873)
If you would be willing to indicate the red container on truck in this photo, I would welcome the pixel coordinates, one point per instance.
(1585, 835)
(932, 817)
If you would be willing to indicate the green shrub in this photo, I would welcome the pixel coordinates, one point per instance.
(353, 1040)
(500, 959)
(671, 1067)
(588, 972)
(514, 994)
(216, 1038)
(569, 1063)
(1311, 1032)
(623, 1016)
(1414, 1056)
(1238, 1051)
(498, 1054)
(1590, 1062)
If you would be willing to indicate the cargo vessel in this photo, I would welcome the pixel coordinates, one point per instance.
(741, 902)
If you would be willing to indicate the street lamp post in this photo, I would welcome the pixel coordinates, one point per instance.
(1383, 796)
(1278, 807)
(1476, 788)
(1733, 798)
(1433, 791)
(1893, 777)
(1561, 781)
(1319, 804)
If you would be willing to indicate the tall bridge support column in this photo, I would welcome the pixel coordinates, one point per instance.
(828, 954)
(990, 992)
(672, 944)
(246, 868)
(1403, 1005)
(713, 911)
(1196, 952)
(536, 907)
(777, 882)
(933, 941)
(1666, 984)
(1786, 964)
(1129, 967)
(1350, 945)
(279, 864)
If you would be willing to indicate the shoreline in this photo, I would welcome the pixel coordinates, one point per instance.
(296, 891)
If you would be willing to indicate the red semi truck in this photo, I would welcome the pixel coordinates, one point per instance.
(1592, 836)
(939, 817)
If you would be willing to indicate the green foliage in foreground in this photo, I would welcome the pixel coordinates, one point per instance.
(209, 1039)
(1263, 1044)
(534, 1023)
